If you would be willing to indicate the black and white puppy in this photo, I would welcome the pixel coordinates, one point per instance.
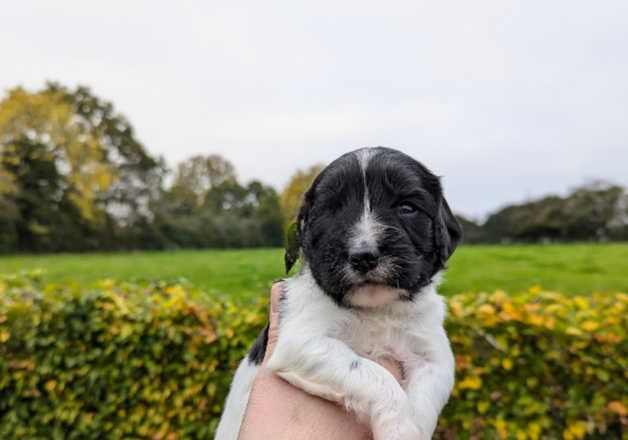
(376, 232)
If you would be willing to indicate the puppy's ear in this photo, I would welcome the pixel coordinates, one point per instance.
(292, 242)
(292, 245)
(448, 231)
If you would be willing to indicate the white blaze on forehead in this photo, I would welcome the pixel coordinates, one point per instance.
(366, 230)
(364, 155)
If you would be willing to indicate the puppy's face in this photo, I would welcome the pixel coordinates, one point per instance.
(375, 228)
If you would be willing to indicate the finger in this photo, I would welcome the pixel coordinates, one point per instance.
(276, 294)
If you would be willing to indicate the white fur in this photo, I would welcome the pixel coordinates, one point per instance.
(372, 295)
(235, 406)
(327, 351)
(367, 230)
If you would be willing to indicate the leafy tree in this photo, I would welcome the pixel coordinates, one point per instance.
(472, 231)
(590, 209)
(590, 212)
(74, 176)
(40, 193)
(69, 165)
(8, 210)
(618, 224)
(292, 194)
(197, 175)
(137, 175)
(243, 216)
(46, 119)
(207, 207)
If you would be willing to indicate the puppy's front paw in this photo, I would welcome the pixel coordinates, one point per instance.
(398, 428)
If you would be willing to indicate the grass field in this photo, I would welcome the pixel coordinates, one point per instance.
(572, 269)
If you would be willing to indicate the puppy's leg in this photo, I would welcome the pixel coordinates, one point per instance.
(429, 383)
(327, 368)
(235, 406)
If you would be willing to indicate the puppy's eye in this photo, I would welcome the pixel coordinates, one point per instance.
(406, 208)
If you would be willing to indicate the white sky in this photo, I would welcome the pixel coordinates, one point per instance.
(506, 100)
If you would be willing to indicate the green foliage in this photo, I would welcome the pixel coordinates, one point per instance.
(196, 176)
(155, 360)
(292, 195)
(221, 214)
(598, 211)
(125, 360)
(68, 162)
(74, 177)
(538, 365)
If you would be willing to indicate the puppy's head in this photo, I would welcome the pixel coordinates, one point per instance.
(375, 228)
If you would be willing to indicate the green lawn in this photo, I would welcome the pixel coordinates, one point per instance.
(578, 268)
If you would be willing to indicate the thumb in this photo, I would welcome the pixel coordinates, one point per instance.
(276, 295)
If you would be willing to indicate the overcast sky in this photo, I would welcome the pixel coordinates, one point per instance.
(505, 100)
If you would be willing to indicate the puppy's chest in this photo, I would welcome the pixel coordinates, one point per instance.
(378, 336)
(401, 331)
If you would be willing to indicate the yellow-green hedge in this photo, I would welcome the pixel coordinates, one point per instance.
(115, 360)
(538, 365)
(154, 360)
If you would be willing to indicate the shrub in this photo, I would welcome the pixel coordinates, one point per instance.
(154, 360)
(115, 360)
(538, 365)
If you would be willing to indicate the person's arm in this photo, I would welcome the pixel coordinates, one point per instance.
(280, 411)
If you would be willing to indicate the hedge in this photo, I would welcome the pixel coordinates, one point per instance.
(154, 360)
(538, 365)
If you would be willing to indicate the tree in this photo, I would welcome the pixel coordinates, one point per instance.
(242, 216)
(590, 212)
(8, 210)
(40, 193)
(618, 224)
(197, 175)
(472, 231)
(137, 175)
(292, 195)
(207, 207)
(46, 119)
(69, 165)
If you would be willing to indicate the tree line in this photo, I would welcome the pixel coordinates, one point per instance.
(74, 177)
(593, 212)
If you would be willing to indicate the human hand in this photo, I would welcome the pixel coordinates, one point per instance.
(280, 411)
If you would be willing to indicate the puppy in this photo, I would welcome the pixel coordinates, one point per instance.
(375, 233)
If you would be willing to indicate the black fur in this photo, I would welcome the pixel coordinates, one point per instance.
(417, 244)
(258, 350)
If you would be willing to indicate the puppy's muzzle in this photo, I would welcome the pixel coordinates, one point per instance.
(364, 258)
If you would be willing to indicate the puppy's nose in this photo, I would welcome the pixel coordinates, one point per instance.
(364, 258)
